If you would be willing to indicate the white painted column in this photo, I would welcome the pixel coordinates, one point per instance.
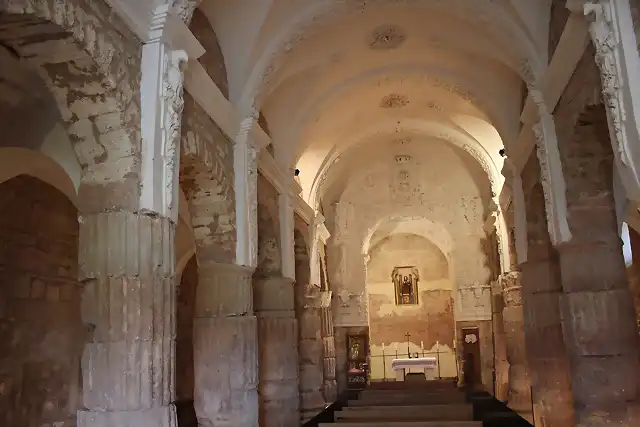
(245, 166)
(551, 175)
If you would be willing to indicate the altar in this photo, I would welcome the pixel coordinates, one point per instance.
(428, 365)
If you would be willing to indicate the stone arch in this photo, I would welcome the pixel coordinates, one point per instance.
(206, 178)
(95, 84)
(42, 334)
(466, 88)
(418, 226)
(491, 16)
(412, 126)
(22, 161)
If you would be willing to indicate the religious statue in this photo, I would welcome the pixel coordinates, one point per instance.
(405, 281)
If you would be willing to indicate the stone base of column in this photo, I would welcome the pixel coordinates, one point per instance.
(225, 347)
(279, 392)
(226, 377)
(164, 416)
(278, 339)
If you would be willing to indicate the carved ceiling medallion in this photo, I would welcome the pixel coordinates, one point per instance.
(386, 37)
(394, 100)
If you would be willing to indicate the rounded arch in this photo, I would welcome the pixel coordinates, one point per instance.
(420, 226)
(409, 126)
(94, 81)
(16, 161)
(488, 14)
(462, 88)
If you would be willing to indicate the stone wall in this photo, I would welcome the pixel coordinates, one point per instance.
(430, 323)
(41, 333)
(207, 179)
(440, 184)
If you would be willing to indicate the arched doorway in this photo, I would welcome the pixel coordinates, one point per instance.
(41, 333)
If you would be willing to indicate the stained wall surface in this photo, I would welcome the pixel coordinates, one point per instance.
(416, 179)
(430, 323)
(41, 334)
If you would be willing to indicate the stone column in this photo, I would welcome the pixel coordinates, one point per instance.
(225, 347)
(548, 363)
(310, 348)
(278, 337)
(127, 264)
(501, 391)
(329, 355)
(599, 319)
(513, 316)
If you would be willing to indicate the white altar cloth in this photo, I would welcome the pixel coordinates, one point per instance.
(416, 363)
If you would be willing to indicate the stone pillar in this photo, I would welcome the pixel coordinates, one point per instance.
(329, 355)
(599, 320)
(127, 264)
(513, 316)
(311, 355)
(501, 391)
(225, 347)
(548, 363)
(278, 337)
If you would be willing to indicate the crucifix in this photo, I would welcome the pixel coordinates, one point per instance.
(407, 336)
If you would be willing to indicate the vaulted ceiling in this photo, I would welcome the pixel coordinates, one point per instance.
(331, 75)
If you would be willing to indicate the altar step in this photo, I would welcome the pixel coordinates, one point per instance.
(420, 404)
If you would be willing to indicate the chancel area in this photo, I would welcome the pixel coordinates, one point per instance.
(223, 213)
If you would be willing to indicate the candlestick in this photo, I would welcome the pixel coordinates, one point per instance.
(422, 345)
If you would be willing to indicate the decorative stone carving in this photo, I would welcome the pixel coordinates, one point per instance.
(551, 175)
(386, 37)
(394, 100)
(612, 32)
(172, 94)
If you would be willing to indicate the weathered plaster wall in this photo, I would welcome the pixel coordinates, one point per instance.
(41, 334)
(430, 323)
(432, 180)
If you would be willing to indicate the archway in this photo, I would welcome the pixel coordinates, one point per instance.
(410, 293)
(41, 332)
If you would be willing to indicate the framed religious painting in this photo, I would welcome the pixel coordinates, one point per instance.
(357, 356)
(405, 282)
